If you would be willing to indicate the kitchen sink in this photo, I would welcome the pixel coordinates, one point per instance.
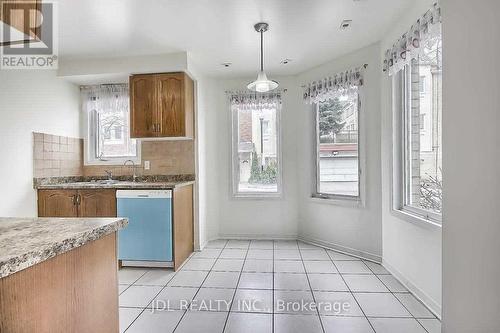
(108, 182)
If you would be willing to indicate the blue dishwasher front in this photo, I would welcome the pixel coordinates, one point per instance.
(148, 236)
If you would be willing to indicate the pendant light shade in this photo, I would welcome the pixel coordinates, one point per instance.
(262, 84)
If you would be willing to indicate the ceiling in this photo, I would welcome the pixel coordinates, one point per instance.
(218, 31)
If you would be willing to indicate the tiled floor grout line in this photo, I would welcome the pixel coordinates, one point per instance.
(144, 309)
(399, 299)
(311, 290)
(352, 294)
(273, 313)
(197, 291)
(237, 284)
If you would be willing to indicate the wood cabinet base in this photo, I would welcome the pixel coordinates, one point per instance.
(73, 292)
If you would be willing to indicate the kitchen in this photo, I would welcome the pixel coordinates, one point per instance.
(249, 166)
(148, 207)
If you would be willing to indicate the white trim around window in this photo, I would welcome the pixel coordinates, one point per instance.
(89, 145)
(339, 199)
(400, 105)
(234, 183)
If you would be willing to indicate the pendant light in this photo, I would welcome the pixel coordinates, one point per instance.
(262, 84)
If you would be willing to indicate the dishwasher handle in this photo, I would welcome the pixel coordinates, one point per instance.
(143, 194)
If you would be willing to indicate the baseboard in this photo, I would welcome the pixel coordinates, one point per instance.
(342, 249)
(430, 303)
(257, 237)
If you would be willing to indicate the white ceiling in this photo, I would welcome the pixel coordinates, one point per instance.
(217, 31)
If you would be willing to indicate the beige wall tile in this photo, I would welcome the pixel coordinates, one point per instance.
(63, 156)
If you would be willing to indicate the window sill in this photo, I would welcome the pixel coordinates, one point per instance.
(338, 201)
(414, 218)
(116, 162)
(257, 196)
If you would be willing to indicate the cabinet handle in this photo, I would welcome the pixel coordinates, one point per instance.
(78, 199)
(75, 200)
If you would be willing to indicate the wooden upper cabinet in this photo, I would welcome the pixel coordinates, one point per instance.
(164, 107)
(57, 203)
(142, 106)
(171, 105)
(97, 203)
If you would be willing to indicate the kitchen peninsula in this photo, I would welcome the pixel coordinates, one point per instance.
(59, 274)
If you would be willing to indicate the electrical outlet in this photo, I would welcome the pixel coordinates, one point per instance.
(147, 165)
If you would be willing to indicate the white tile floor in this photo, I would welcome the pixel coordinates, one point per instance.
(220, 283)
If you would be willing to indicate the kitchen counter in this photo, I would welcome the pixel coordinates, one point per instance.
(115, 185)
(25, 242)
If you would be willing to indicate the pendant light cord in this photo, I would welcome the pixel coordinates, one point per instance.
(261, 50)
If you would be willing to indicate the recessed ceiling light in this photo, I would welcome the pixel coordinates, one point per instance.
(226, 64)
(286, 61)
(345, 24)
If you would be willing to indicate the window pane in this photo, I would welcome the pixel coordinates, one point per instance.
(113, 137)
(257, 150)
(337, 142)
(423, 131)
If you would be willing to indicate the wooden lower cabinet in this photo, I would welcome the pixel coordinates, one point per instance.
(57, 203)
(74, 292)
(77, 203)
(182, 220)
(102, 203)
(97, 203)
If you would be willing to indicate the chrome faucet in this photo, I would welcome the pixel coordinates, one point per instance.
(134, 177)
(109, 173)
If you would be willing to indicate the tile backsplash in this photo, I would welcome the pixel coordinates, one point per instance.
(166, 158)
(58, 156)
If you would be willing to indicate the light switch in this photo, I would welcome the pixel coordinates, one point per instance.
(147, 165)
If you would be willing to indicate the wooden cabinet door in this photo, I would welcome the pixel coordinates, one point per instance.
(171, 104)
(57, 203)
(143, 106)
(97, 203)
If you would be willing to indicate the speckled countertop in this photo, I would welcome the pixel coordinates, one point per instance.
(117, 185)
(25, 242)
(120, 182)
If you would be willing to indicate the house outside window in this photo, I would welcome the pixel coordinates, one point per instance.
(256, 151)
(107, 139)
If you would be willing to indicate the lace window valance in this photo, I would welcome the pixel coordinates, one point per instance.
(105, 98)
(412, 43)
(254, 101)
(334, 86)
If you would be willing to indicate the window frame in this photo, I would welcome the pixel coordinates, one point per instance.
(401, 105)
(340, 199)
(235, 193)
(90, 142)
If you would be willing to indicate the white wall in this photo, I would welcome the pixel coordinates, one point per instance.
(30, 101)
(471, 166)
(208, 214)
(355, 229)
(412, 252)
(252, 218)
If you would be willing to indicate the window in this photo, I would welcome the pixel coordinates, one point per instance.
(108, 138)
(420, 152)
(337, 152)
(256, 151)
(421, 84)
